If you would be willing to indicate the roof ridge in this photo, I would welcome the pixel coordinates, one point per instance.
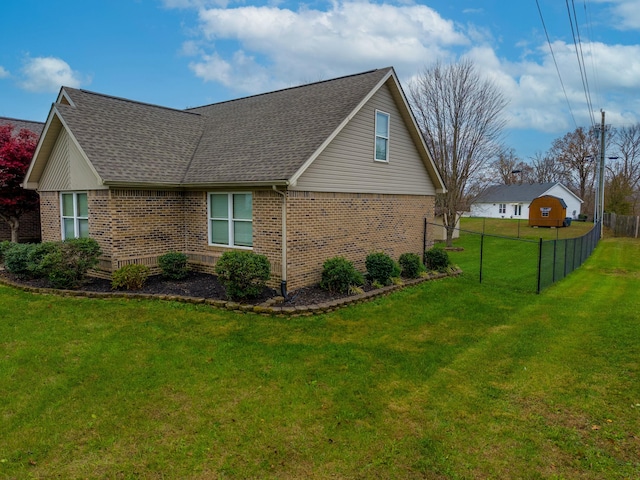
(22, 120)
(290, 88)
(128, 100)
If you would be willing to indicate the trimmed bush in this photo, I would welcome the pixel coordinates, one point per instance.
(35, 257)
(130, 277)
(68, 265)
(381, 267)
(339, 274)
(4, 246)
(243, 274)
(173, 265)
(16, 259)
(411, 265)
(437, 259)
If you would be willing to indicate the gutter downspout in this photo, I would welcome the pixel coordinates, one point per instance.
(283, 283)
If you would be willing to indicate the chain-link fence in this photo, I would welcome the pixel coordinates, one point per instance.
(558, 258)
(518, 263)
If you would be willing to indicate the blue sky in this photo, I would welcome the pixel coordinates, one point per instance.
(185, 53)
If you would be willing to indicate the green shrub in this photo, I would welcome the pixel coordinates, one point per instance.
(411, 265)
(16, 259)
(4, 246)
(437, 259)
(68, 265)
(173, 265)
(243, 274)
(338, 274)
(35, 256)
(381, 267)
(130, 277)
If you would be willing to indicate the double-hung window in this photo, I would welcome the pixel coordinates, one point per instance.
(231, 219)
(502, 208)
(382, 136)
(74, 210)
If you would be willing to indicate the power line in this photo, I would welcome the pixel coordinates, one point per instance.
(556, 63)
(580, 57)
(587, 16)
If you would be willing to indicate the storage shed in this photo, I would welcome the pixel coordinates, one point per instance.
(547, 211)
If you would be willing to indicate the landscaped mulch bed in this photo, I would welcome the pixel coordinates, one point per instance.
(205, 288)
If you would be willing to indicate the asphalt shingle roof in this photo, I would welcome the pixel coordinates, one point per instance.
(513, 193)
(35, 127)
(261, 138)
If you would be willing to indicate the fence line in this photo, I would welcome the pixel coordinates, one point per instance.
(542, 262)
(622, 225)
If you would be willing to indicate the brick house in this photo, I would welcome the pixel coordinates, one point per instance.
(300, 175)
(29, 229)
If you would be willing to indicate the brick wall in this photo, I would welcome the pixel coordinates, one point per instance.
(144, 223)
(50, 216)
(324, 225)
(267, 221)
(28, 230)
(139, 225)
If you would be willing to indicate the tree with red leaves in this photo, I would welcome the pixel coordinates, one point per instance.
(16, 152)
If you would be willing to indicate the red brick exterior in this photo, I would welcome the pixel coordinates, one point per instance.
(137, 226)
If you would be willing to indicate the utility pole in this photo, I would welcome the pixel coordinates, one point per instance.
(601, 178)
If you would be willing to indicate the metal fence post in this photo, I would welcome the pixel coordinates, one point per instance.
(539, 266)
(481, 252)
(555, 246)
(424, 242)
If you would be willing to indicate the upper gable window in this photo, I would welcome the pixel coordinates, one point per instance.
(382, 136)
(75, 215)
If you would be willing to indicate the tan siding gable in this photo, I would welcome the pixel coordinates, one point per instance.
(347, 164)
(67, 168)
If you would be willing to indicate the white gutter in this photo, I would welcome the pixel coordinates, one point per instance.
(283, 283)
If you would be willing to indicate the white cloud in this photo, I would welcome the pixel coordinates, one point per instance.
(256, 49)
(194, 3)
(626, 13)
(48, 74)
(3, 73)
(307, 43)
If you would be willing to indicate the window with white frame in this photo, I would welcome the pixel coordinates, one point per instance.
(545, 211)
(517, 210)
(231, 219)
(382, 136)
(74, 215)
(502, 208)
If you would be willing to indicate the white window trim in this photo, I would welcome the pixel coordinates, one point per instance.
(229, 219)
(76, 217)
(502, 208)
(387, 138)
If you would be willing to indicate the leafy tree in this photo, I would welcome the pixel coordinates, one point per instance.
(460, 115)
(16, 152)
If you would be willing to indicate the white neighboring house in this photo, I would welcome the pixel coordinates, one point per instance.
(512, 201)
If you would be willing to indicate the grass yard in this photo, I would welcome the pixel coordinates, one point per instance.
(446, 380)
(521, 229)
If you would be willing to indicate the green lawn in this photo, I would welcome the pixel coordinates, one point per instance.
(448, 379)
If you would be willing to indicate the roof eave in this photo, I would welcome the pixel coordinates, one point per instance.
(199, 185)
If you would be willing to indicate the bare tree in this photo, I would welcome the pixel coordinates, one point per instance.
(545, 169)
(460, 115)
(623, 172)
(577, 154)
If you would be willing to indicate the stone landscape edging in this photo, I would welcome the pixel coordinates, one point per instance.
(266, 308)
